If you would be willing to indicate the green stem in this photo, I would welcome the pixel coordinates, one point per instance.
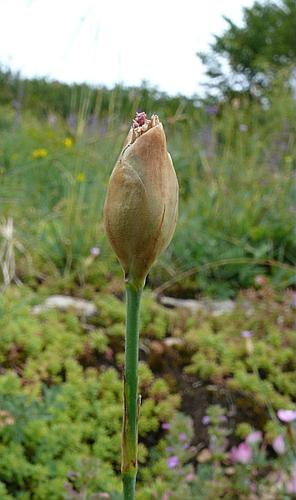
(130, 393)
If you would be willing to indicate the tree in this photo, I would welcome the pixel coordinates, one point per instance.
(247, 58)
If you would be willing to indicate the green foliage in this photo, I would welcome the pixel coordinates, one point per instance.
(259, 367)
(246, 462)
(254, 52)
(61, 408)
(60, 380)
(61, 396)
(82, 104)
(221, 162)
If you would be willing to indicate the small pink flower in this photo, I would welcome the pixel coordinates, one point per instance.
(254, 437)
(278, 445)
(286, 415)
(166, 426)
(241, 453)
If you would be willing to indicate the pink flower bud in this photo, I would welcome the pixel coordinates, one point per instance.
(254, 437)
(287, 415)
(278, 445)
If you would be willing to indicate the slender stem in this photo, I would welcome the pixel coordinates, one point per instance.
(130, 393)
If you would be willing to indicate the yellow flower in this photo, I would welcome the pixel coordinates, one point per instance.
(80, 177)
(141, 205)
(288, 159)
(40, 153)
(68, 142)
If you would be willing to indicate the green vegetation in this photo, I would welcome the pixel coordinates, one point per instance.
(255, 51)
(211, 385)
(61, 395)
(64, 401)
(236, 175)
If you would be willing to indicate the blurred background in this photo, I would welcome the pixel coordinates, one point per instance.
(217, 341)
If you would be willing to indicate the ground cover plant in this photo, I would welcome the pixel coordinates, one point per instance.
(214, 387)
(204, 396)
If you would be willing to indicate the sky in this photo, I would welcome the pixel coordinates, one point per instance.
(114, 41)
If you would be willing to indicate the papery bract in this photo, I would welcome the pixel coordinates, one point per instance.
(141, 205)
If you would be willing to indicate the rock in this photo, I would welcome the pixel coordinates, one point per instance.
(204, 456)
(214, 307)
(219, 307)
(172, 341)
(156, 347)
(64, 302)
(192, 305)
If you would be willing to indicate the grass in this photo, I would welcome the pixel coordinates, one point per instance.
(235, 172)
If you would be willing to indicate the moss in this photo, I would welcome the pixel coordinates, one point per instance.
(62, 386)
(66, 412)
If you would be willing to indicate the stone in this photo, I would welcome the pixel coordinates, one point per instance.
(64, 302)
(214, 307)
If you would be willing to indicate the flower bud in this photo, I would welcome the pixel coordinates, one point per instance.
(141, 205)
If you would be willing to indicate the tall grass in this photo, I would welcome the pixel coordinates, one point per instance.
(235, 169)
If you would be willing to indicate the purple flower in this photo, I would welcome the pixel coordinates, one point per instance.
(278, 445)
(211, 110)
(286, 415)
(294, 299)
(246, 334)
(172, 462)
(254, 437)
(243, 127)
(166, 426)
(241, 453)
(206, 420)
(95, 251)
(182, 436)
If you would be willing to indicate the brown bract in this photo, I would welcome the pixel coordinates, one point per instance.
(141, 205)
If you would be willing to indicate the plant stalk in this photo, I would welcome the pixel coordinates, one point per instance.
(130, 392)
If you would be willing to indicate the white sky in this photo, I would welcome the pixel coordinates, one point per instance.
(111, 41)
